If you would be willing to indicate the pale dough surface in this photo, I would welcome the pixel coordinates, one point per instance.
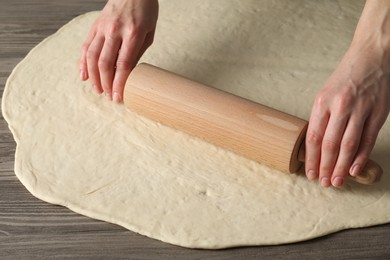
(98, 159)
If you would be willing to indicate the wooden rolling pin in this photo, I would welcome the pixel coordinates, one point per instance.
(247, 128)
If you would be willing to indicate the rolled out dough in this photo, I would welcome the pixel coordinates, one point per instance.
(78, 150)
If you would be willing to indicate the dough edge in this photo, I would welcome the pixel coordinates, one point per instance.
(72, 205)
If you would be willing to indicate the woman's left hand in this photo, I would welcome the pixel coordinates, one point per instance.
(118, 38)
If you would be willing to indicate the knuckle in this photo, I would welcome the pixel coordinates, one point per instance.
(122, 65)
(321, 100)
(330, 145)
(84, 47)
(379, 115)
(133, 31)
(368, 141)
(343, 103)
(92, 54)
(313, 138)
(118, 88)
(349, 145)
(104, 64)
(114, 29)
(311, 163)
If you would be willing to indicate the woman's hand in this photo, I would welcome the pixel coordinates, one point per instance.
(353, 104)
(117, 40)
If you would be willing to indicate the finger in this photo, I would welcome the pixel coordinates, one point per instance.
(147, 43)
(127, 59)
(330, 147)
(83, 66)
(83, 58)
(315, 132)
(348, 148)
(93, 54)
(106, 64)
(367, 142)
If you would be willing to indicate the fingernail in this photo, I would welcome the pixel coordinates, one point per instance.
(325, 182)
(355, 170)
(117, 98)
(108, 95)
(96, 89)
(311, 175)
(83, 75)
(338, 181)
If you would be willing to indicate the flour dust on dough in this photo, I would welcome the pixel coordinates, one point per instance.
(79, 150)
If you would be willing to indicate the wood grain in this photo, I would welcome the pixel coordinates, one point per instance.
(32, 229)
(242, 126)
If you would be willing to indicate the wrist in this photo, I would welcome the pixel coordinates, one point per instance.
(371, 41)
(373, 28)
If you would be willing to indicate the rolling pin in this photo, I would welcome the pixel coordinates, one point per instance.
(244, 127)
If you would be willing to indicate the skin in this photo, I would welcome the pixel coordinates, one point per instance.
(118, 38)
(347, 113)
(353, 104)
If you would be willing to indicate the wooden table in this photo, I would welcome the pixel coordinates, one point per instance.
(30, 228)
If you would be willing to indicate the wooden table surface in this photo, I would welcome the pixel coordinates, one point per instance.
(30, 228)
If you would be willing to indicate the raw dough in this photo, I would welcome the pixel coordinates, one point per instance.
(76, 149)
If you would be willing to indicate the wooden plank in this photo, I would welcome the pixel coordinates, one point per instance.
(30, 228)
